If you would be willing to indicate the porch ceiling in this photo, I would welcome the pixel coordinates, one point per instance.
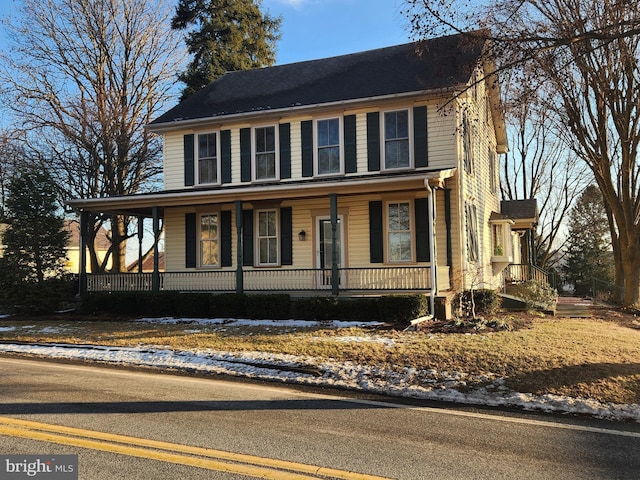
(142, 204)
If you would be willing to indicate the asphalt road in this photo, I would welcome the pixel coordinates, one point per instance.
(142, 425)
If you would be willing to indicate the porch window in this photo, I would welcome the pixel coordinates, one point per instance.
(265, 153)
(209, 240)
(207, 158)
(267, 238)
(396, 140)
(328, 141)
(498, 240)
(473, 246)
(399, 232)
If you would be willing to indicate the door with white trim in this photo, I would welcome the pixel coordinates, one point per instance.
(324, 253)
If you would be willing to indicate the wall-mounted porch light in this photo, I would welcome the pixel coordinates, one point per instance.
(302, 236)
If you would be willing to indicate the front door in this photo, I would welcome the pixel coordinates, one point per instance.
(324, 250)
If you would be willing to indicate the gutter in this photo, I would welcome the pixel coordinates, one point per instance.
(235, 117)
(304, 189)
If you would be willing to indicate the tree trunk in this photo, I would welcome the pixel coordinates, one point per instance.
(631, 268)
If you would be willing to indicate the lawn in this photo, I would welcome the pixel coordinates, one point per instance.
(597, 357)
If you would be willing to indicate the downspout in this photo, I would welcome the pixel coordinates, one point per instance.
(432, 246)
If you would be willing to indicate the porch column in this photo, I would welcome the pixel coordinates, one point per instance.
(140, 234)
(84, 220)
(239, 247)
(433, 270)
(155, 277)
(335, 275)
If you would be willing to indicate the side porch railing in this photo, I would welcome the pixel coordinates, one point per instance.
(264, 280)
(518, 273)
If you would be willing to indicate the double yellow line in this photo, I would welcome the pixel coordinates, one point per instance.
(219, 460)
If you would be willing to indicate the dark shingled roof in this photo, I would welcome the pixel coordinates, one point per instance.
(519, 209)
(413, 67)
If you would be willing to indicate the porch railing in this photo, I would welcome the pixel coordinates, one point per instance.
(517, 273)
(363, 279)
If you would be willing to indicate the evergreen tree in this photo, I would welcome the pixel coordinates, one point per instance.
(227, 35)
(35, 240)
(589, 254)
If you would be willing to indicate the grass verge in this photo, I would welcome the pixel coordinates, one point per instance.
(597, 358)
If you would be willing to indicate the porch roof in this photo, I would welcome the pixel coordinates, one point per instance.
(524, 213)
(143, 204)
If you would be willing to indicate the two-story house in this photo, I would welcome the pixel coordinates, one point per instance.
(370, 173)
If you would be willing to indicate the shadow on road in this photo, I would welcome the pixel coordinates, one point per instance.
(181, 406)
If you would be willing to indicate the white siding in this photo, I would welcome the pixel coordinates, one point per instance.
(441, 136)
(174, 160)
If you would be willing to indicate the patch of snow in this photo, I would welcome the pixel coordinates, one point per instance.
(427, 384)
(7, 329)
(256, 323)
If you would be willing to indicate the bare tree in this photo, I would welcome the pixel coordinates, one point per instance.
(587, 52)
(84, 77)
(538, 166)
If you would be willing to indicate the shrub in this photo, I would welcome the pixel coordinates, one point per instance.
(228, 305)
(194, 305)
(402, 308)
(487, 302)
(316, 308)
(534, 293)
(274, 306)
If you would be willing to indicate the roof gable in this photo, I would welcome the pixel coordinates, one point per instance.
(429, 65)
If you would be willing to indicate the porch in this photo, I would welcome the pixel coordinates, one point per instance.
(367, 280)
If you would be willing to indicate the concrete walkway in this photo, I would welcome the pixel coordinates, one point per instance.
(573, 307)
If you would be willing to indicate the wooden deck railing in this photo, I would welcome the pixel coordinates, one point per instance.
(364, 279)
(516, 273)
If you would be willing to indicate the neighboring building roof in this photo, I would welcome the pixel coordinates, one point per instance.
(147, 263)
(73, 227)
(521, 211)
(410, 68)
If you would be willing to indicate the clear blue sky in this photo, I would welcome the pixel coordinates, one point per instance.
(314, 29)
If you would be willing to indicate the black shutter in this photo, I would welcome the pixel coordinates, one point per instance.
(376, 248)
(225, 239)
(373, 141)
(422, 230)
(306, 132)
(285, 150)
(350, 151)
(191, 243)
(420, 136)
(245, 154)
(286, 236)
(189, 172)
(247, 238)
(225, 155)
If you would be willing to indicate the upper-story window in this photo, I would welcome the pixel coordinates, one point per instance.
(467, 143)
(473, 245)
(493, 180)
(328, 140)
(208, 158)
(396, 140)
(264, 155)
